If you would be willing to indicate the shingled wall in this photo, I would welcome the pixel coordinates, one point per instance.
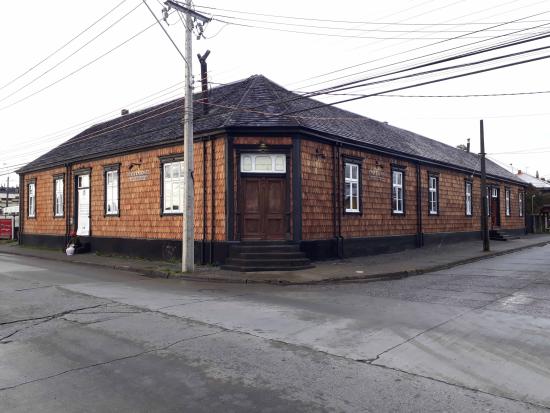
(376, 218)
(139, 200)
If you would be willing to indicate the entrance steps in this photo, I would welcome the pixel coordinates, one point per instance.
(266, 256)
(499, 235)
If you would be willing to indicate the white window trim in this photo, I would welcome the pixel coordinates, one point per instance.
(351, 182)
(170, 182)
(273, 156)
(396, 187)
(32, 196)
(59, 197)
(110, 190)
(468, 194)
(433, 192)
(507, 203)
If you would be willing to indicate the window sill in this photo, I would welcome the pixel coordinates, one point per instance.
(170, 214)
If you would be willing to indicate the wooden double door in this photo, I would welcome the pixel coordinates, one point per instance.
(263, 204)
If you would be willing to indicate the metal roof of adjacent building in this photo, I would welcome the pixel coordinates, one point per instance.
(532, 180)
(258, 103)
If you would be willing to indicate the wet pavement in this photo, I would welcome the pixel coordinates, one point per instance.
(80, 338)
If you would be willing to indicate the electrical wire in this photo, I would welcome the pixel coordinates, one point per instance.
(341, 21)
(63, 46)
(79, 69)
(70, 55)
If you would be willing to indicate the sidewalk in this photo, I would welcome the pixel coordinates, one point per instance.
(386, 266)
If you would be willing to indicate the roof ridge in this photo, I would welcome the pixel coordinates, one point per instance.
(253, 80)
(282, 101)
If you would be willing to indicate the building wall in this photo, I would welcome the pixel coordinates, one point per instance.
(319, 178)
(139, 200)
(44, 222)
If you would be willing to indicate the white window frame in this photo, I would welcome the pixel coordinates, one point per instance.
(59, 188)
(433, 195)
(520, 203)
(112, 196)
(398, 195)
(351, 182)
(468, 195)
(169, 185)
(507, 202)
(32, 200)
(249, 165)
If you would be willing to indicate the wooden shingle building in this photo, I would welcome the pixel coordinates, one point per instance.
(272, 169)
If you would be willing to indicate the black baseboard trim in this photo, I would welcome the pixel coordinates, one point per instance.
(318, 250)
(514, 232)
(167, 250)
(442, 238)
(44, 241)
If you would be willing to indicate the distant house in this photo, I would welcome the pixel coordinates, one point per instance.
(9, 197)
(538, 194)
(269, 165)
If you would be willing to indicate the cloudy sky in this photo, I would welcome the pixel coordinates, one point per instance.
(51, 90)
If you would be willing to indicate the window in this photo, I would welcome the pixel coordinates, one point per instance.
(263, 163)
(58, 185)
(468, 194)
(111, 190)
(507, 201)
(520, 204)
(351, 198)
(32, 200)
(172, 187)
(433, 196)
(398, 206)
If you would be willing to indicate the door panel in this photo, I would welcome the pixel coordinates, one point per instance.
(263, 201)
(83, 206)
(83, 212)
(275, 208)
(252, 214)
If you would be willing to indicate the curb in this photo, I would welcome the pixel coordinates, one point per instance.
(152, 273)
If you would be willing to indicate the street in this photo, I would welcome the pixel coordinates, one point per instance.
(77, 338)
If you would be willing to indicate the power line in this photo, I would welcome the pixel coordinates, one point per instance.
(79, 69)
(343, 21)
(472, 95)
(523, 19)
(165, 31)
(63, 46)
(71, 55)
(439, 52)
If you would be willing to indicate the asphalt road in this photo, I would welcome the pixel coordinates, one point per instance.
(473, 338)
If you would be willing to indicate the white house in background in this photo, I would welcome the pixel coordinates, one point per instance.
(540, 184)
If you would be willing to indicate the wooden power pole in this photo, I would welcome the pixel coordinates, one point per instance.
(188, 236)
(484, 197)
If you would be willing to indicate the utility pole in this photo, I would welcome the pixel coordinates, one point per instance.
(8, 192)
(484, 198)
(188, 236)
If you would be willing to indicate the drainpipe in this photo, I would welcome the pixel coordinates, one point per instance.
(213, 200)
(203, 246)
(340, 239)
(419, 229)
(68, 181)
(334, 213)
(21, 207)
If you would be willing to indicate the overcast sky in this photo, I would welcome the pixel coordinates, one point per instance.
(367, 37)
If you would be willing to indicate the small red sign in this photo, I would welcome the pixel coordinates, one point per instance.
(6, 228)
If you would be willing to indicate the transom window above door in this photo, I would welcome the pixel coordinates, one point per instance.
(263, 163)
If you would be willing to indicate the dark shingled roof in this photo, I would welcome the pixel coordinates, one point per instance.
(251, 103)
